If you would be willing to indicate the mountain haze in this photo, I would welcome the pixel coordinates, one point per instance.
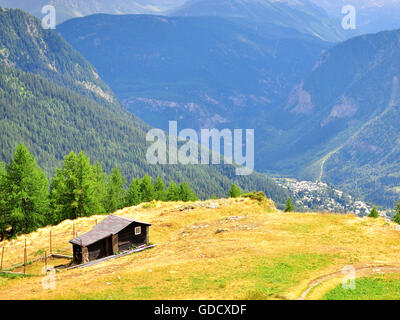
(67, 9)
(372, 16)
(301, 15)
(204, 72)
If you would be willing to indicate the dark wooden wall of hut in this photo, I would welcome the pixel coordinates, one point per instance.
(140, 238)
(97, 250)
(127, 237)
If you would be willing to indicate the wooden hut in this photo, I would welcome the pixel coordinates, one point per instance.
(112, 235)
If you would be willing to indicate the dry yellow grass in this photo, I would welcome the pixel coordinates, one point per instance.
(239, 250)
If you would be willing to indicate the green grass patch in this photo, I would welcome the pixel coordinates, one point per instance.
(382, 287)
(5, 277)
(13, 276)
(150, 205)
(272, 279)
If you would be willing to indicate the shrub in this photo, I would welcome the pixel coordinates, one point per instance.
(374, 213)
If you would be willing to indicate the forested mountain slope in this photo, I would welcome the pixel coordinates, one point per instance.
(25, 45)
(44, 105)
(205, 72)
(307, 108)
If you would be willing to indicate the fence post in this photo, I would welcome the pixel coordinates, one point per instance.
(51, 249)
(25, 257)
(2, 256)
(45, 261)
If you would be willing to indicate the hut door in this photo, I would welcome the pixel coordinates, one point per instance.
(109, 246)
(77, 254)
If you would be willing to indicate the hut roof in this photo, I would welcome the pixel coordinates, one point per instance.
(109, 226)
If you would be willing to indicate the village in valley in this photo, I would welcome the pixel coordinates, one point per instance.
(319, 196)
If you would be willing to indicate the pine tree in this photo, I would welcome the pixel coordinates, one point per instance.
(173, 192)
(147, 189)
(396, 217)
(186, 194)
(374, 213)
(234, 192)
(134, 196)
(74, 189)
(25, 189)
(63, 195)
(116, 194)
(159, 188)
(289, 205)
(100, 184)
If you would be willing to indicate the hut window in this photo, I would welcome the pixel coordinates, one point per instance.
(138, 230)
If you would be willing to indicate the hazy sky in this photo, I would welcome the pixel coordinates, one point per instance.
(70, 8)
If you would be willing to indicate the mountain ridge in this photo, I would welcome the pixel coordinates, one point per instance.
(302, 15)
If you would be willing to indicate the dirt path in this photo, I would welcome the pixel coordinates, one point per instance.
(367, 271)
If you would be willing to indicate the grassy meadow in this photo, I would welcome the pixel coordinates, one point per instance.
(222, 249)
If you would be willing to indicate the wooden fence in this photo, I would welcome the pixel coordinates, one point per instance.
(31, 254)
